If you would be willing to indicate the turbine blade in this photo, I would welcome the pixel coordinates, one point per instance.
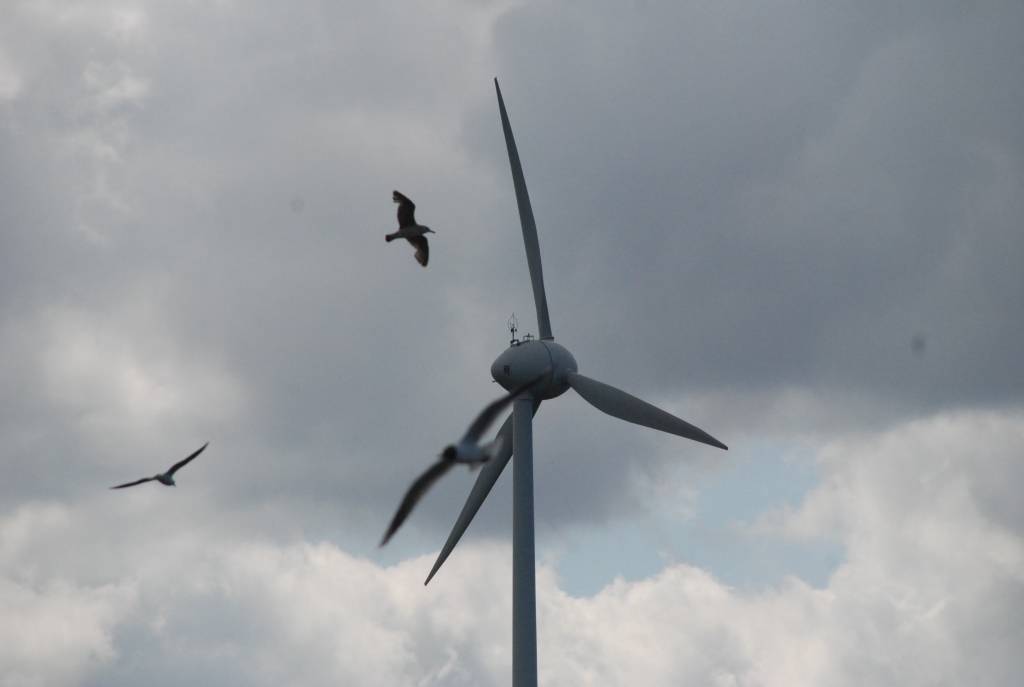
(627, 407)
(489, 474)
(526, 219)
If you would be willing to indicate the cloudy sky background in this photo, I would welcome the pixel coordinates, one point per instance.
(798, 227)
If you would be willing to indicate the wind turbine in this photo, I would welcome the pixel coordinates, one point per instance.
(517, 365)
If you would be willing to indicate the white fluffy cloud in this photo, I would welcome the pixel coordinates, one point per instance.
(929, 593)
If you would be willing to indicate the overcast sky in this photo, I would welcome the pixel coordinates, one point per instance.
(796, 225)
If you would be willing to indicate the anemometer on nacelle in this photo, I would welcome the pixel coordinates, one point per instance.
(513, 327)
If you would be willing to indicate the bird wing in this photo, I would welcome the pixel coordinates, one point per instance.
(422, 248)
(493, 409)
(182, 463)
(416, 491)
(406, 210)
(132, 484)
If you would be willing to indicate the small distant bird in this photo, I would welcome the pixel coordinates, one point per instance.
(409, 230)
(166, 478)
(467, 450)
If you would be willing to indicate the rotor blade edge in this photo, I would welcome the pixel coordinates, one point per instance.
(526, 219)
(624, 406)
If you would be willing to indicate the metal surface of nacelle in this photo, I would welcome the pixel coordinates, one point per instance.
(526, 360)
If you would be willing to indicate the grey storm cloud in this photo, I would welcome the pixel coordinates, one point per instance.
(728, 202)
(791, 194)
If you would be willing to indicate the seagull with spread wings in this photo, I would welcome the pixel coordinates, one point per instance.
(467, 450)
(409, 230)
(165, 478)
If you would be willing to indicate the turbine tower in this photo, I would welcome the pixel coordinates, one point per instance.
(521, 362)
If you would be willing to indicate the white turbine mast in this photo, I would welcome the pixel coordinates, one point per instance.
(523, 361)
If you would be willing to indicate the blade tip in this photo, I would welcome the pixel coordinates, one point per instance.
(433, 571)
(714, 442)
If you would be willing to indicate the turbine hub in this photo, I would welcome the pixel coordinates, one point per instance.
(527, 359)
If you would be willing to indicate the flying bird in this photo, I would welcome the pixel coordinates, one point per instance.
(409, 230)
(467, 450)
(166, 478)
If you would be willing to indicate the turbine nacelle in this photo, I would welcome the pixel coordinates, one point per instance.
(526, 360)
